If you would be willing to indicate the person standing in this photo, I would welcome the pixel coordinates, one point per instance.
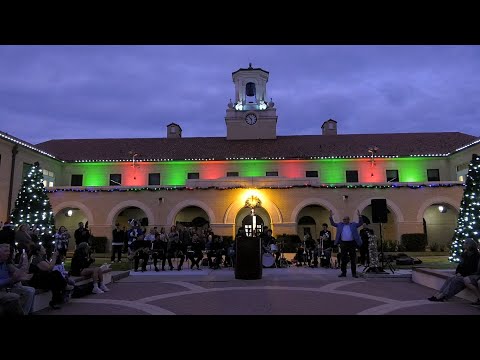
(82, 234)
(348, 239)
(118, 235)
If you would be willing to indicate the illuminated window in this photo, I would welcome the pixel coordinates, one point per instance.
(49, 177)
(460, 178)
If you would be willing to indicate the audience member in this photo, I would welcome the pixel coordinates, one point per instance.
(469, 262)
(81, 266)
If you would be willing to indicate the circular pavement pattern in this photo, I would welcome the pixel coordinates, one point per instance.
(137, 295)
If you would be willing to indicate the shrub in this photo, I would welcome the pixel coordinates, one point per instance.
(389, 246)
(290, 242)
(228, 238)
(443, 248)
(434, 247)
(414, 242)
(99, 244)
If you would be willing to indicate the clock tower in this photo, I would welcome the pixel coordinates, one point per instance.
(251, 116)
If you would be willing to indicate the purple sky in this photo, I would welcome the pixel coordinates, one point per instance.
(53, 92)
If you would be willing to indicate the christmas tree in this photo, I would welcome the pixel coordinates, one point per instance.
(468, 225)
(32, 205)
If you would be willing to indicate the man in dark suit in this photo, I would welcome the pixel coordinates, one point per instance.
(348, 239)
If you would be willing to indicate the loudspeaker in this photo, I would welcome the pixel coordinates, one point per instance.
(144, 221)
(379, 211)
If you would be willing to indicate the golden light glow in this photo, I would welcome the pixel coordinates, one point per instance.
(252, 202)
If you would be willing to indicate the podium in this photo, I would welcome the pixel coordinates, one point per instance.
(248, 265)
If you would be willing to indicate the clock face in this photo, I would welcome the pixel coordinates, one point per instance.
(251, 119)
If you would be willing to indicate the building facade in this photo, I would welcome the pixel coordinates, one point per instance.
(296, 179)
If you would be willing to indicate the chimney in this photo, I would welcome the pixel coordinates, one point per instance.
(329, 127)
(174, 131)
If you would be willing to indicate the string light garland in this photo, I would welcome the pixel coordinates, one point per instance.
(323, 186)
(9, 138)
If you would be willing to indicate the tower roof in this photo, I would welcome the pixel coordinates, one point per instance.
(250, 68)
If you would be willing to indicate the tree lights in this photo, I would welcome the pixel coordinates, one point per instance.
(468, 225)
(32, 205)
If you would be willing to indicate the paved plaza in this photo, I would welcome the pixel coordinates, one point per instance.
(292, 291)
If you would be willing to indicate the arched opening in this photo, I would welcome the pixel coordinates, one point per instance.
(244, 218)
(440, 221)
(192, 217)
(389, 229)
(129, 213)
(70, 217)
(250, 93)
(247, 224)
(310, 220)
(308, 224)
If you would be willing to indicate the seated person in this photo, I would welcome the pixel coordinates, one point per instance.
(195, 254)
(81, 266)
(141, 250)
(469, 262)
(159, 249)
(10, 280)
(45, 278)
(269, 245)
(175, 249)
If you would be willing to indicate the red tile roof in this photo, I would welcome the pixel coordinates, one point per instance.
(288, 147)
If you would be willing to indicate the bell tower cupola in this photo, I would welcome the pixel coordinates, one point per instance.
(251, 115)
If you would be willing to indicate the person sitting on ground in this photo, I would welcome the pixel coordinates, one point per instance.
(45, 278)
(81, 266)
(469, 261)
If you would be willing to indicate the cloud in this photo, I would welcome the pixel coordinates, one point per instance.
(51, 92)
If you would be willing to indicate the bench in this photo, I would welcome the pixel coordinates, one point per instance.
(434, 279)
(43, 297)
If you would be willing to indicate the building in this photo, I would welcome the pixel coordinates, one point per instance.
(296, 179)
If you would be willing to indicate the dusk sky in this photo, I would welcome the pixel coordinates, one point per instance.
(55, 92)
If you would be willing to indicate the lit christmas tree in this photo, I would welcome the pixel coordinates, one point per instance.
(469, 217)
(32, 205)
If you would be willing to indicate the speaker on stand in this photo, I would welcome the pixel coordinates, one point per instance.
(380, 216)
